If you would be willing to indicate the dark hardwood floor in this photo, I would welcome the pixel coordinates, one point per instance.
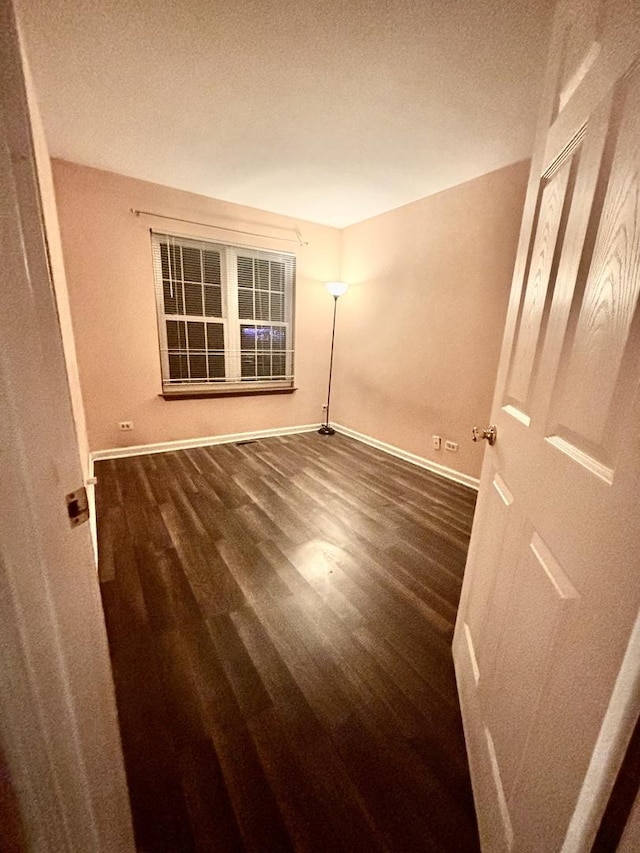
(280, 615)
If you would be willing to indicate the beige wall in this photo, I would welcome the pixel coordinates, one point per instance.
(420, 328)
(418, 332)
(107, 254)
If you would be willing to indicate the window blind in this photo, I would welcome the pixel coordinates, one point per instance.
(225, 313)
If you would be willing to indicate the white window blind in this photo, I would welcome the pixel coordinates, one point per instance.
(225, 314)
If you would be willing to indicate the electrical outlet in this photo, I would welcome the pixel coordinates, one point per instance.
(437, 442)
(125, 425)
(451, 445)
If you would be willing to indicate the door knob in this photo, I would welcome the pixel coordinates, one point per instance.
(490, 434)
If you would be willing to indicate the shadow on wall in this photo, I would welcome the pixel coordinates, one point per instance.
(11, 834)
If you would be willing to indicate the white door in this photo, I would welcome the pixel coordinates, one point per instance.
(58, 726)
(552, 586)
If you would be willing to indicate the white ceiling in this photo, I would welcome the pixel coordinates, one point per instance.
(328, 111)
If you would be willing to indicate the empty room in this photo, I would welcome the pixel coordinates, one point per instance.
(320, 384)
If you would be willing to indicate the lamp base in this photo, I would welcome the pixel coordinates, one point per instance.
(325, 429)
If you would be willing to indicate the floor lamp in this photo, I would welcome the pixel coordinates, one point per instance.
(336, 289)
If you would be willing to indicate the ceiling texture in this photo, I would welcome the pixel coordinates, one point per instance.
(331, 111)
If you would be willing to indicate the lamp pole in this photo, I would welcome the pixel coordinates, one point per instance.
(336, 289)
(325, 429)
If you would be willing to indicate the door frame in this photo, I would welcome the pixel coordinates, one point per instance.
(68, 797)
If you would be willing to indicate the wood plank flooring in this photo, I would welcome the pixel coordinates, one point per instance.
(280, 615)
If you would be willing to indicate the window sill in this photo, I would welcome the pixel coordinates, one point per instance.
(222, 391)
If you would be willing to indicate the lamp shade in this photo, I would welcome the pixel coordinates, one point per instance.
(336, 288)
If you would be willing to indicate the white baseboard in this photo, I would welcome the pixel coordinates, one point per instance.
(420, 461)
(206, 441)
(185, 443)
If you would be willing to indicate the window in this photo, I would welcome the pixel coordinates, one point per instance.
(225, 316)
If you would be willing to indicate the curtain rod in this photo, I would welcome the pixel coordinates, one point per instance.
(299, 239)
